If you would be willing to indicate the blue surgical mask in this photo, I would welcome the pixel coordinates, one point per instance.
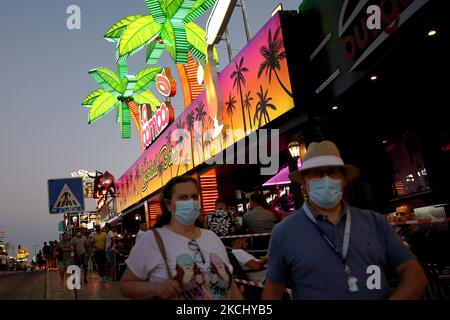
(187, 211)
(325, 192)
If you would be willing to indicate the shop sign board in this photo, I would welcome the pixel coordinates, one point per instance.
(349, 41)
(88, 181)
(153, 123)
(255, 91)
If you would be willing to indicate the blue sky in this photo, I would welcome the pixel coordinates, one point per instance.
(44, 132)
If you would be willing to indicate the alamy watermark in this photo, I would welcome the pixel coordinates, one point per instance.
(261, 147)
(377, 16)
(73, 21)
(74, 280)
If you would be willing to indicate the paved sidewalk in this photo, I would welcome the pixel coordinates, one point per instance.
(93, 290)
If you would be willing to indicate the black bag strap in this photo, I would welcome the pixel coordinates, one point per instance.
(162, 250)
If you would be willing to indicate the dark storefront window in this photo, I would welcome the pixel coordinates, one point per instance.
(408, 169)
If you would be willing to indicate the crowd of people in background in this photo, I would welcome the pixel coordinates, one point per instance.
(257, 246)
(192, 256)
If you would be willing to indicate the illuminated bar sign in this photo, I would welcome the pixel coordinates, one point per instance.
(154, 123)
(256, 89)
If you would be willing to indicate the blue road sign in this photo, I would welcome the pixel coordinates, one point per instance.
(65, 195)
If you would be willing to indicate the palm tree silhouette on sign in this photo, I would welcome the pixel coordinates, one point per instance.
(262, 107)
(248, 105)
(169, 147)
(198, 140)
(180, 143)
(239, 82)
(273, 53)
(160, 168)
(231, 107)
(137, 177)
(127, 184)
(186, 163)
(200, 116)
(190, 125)
(208, 138)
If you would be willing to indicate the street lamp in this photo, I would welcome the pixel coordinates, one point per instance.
(294, 149)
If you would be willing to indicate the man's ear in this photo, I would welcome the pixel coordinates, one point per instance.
(344, 182)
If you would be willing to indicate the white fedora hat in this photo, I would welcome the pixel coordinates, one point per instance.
(323, 154)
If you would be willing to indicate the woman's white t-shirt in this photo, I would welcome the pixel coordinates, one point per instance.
(201, 267)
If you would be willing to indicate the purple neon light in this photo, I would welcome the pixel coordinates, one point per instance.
(282, 177)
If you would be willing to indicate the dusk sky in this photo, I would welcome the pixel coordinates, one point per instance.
(44, 132)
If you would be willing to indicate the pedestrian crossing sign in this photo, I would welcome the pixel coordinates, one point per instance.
(65, 195)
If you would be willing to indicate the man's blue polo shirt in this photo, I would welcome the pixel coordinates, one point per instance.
(298, 255)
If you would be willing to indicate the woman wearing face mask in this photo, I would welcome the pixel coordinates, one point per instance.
(151, 270)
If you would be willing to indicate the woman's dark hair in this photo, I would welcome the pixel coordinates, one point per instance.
(166, 194)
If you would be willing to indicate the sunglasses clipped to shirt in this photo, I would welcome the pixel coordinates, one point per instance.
(198, 255)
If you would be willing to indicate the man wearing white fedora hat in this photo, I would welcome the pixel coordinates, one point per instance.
(329, 250)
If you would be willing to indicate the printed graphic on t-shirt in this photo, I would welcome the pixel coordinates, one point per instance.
(197, 284)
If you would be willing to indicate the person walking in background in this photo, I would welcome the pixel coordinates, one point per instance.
(81, 247)
(414, 236)
(65, 254)
(99, 243)
(178, 259)
(40, 260)
(109, 253)
(142, 228)
(46, 250)
(53, 254)
(259, 219)
(4, 261)
(222, 222)
(326, 248)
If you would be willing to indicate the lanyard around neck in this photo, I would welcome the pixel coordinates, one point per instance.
(346, 242)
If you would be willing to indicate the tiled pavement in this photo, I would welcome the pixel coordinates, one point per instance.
(93, 290)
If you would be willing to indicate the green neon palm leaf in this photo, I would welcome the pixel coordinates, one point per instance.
(115, 32)
(157, 9)
(146, 78)
(198, 9)
(178, 9)
(154, 52)
(165, 28)
(129, 83)
(119, 90)
(90, 99)
(196, 39)
(148, 98)
(168, 36)
(102, 105)
(107, 79)
(138, 34)
(181, 43)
